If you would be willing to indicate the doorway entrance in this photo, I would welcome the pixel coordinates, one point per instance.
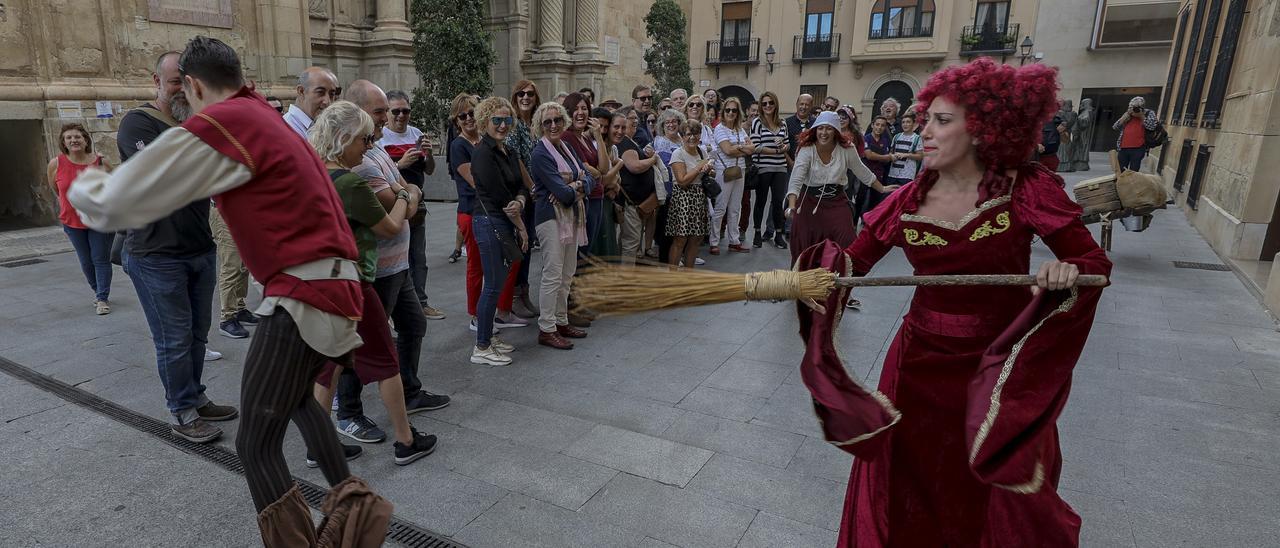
(896, 89)
(24, 190)
(1110, 104)
(744, 96)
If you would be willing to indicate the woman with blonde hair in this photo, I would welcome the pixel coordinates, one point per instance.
(733, 146)
(497, 222)
(525, 98)
(560, 186)
(93, 248)
(341, 134)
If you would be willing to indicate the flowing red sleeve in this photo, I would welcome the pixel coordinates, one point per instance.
(1024, 378)
(851, 415)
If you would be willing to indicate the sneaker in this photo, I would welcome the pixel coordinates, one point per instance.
(453, 257)
(502, 346)
(495, 326)
(698, 261)
(423, 445)
(362, 430)
(853, 304)
(489, 356)
(348, 451)
(425, 401)
(464, 253)
(768, 234)
(232, 329)
(101, 308)
(757, 241)
(780, 242)
(432, 313)
(212, 355)
(196, 431)
(214, 412)
(334, 407)
(246, 318)
(509, 321)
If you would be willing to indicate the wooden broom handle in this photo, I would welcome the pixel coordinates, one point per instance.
(1084, 280)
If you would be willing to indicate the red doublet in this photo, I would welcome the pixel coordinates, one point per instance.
(960, 445)
(288, 213)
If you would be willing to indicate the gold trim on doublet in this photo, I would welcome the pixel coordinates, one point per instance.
(968, 217)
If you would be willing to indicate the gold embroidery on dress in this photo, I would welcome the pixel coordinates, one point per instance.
(968, 217)
(1006, 370)
(1030, 487)
(914, 237)
(1002, 220)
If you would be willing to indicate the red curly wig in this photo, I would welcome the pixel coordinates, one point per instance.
(1006, 106)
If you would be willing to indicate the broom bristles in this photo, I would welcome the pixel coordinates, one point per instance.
(608, 289)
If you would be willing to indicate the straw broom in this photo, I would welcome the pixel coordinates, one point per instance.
(614, 289)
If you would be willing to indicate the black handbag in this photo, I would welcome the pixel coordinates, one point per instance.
(708, 182)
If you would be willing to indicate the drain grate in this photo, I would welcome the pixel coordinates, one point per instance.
(399, 531)
(1201, 266)
(24, 262)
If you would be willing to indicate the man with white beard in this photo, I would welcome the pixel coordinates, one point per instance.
(173, 265)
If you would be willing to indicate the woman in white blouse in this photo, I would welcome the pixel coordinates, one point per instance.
(817, 199)
(734, 145)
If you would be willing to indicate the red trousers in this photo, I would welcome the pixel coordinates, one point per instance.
(475, 273)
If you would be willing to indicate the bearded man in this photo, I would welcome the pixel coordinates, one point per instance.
(173, 265)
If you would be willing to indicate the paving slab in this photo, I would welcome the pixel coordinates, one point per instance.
(810, 500)
(745, 441)
(645, 456)
(677, 516)
(768, 531)
(521, 521)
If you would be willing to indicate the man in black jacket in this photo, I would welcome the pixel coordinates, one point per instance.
(173, 266)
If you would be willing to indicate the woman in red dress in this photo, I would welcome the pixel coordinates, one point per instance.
(959, 446)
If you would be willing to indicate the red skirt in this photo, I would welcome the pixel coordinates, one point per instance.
(817, 219)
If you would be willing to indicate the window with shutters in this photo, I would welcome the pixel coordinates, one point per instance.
(1130, 23)
(1207, 35)
(1178, 50)
(1222, 68)
(901, 19)
(1188, 60)
(735, 30)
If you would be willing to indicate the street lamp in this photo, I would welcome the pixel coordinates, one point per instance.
(768, 56)
(1026, 46)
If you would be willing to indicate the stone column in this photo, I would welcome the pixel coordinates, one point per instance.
(551, 27)
(588, 31)
(391, 16)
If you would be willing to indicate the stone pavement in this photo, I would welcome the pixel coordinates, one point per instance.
(680, 428)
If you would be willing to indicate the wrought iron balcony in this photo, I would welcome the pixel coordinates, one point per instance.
(901, 32)
(815, 47)
(989, 39)
(742, 51)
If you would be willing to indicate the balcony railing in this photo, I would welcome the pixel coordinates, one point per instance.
(740, 51)
(989, 39)
(901, 32)
(815, 47)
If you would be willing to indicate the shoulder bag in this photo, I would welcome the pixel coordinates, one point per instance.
(511, 251)
(733, 172)
(708, 183)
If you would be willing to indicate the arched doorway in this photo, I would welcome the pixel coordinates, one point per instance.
(740, 92)
(897, 89)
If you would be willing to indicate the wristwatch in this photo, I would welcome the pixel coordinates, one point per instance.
(403, 195)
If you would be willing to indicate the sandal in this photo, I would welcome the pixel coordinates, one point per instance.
(453, 257)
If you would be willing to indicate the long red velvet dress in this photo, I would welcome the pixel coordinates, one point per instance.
(959, 445)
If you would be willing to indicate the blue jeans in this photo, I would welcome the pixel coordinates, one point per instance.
(93, 248)
(495, 271)
(1131, 158)
(595, 215)
(176, 294)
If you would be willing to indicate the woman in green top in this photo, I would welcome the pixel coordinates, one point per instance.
(341, 134)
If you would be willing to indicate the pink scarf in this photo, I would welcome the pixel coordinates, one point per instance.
(571, 220)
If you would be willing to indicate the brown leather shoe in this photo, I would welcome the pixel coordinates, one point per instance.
(571, 332)
(554, 340)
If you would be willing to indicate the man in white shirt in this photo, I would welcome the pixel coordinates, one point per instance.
(317, 88)
(412, 152)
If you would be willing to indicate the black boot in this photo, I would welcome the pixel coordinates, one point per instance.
(780, 241)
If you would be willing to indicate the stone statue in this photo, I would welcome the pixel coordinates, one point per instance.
(1078, 152)
(1068, 115)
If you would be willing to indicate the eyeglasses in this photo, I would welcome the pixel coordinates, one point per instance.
(549, 122)
(664, 107)
(468, 115)
(728, 110)
(499, 121)
(644, 98)
(523, 94)
(400, 111)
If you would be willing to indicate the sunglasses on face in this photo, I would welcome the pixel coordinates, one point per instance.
(664, 107)
(400, 111)
(550, 122)
(728, 110)
(468, 115)
(523, 94)
(279, 109)
(645, 98)
(693, 105)
(766, 103)
(499, 121)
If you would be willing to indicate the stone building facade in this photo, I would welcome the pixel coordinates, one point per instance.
(862, 51)
(1223, 119)
(89, 61)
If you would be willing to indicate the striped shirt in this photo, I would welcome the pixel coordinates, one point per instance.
(762, 136)
(905, 169)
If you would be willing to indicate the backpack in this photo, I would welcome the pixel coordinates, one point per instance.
(1153, 138)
